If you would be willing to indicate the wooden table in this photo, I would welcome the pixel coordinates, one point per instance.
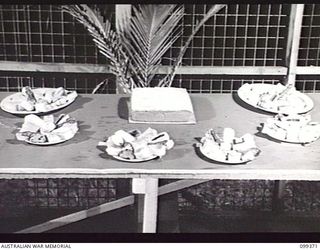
(101, 115)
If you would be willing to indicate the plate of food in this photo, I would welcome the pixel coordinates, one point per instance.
(137, 146)
(275, 98)
(225, 147)
(47, 130)
(292, 128)
(38, 100)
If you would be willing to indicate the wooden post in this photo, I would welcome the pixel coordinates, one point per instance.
(150, 206)
(147, 187)
(294, 32)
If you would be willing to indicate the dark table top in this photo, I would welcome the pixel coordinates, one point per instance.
(100, 116)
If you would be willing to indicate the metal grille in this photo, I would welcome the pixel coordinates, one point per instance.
(239, 35)
(230, 197)
(302, 197)
(224, 195)
(43, 33)
(309, 51)
(70, 192)
(17, 195)
(308, 84)
(216, 84)
(84, 84)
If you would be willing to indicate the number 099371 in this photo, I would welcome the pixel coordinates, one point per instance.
(309, 246)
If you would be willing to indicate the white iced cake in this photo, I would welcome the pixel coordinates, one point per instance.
(161, 105)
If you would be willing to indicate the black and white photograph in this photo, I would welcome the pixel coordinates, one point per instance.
(151, 119)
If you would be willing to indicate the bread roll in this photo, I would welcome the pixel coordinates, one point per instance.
(27, 92)
(126, 136)
(228, 135)
(57, 94)
(42, 106)
(26, 105)
(38, 122)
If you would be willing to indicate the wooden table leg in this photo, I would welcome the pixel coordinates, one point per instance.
(147, 187)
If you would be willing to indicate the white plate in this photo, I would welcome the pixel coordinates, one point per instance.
(65, 138)
(50, 143)
(134, 160)
(277, 137)
(16, 98)
(153, 155)
(212, 157)
(47, 143)
(249, 95)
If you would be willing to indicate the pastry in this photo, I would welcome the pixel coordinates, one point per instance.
(41, 100)
(57, 94)
(34, 123)
(228, 135)
(233, 156)
(277, 98)
(250, 154)
(47, 130)
(27, 92)
(124, 136)
(229, 149)
(26, 105)
(135, 145)
(292, 128)
(38, 138)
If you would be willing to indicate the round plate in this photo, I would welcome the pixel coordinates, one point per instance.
(246, 94)
(134, 160)
(274, 136)
(50, 143)
(16, 98)
(211, 157)
(47, 143)
(71, 135)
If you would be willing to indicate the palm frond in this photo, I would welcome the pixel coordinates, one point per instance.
(107, 40)
(149, 36)
(144, 34)
(123, 17)
(167, 80)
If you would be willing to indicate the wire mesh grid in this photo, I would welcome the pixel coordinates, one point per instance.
(224, 195)
(82, 84)
(57, 193)
(70, 192)
(309, 48)
(301, 196)
(238, 35)
(216, 84)
(308, 84)
(44, 33)
(309, 51)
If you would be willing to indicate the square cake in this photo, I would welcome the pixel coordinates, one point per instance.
(161, 105)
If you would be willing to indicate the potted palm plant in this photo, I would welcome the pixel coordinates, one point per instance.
(145, 32)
